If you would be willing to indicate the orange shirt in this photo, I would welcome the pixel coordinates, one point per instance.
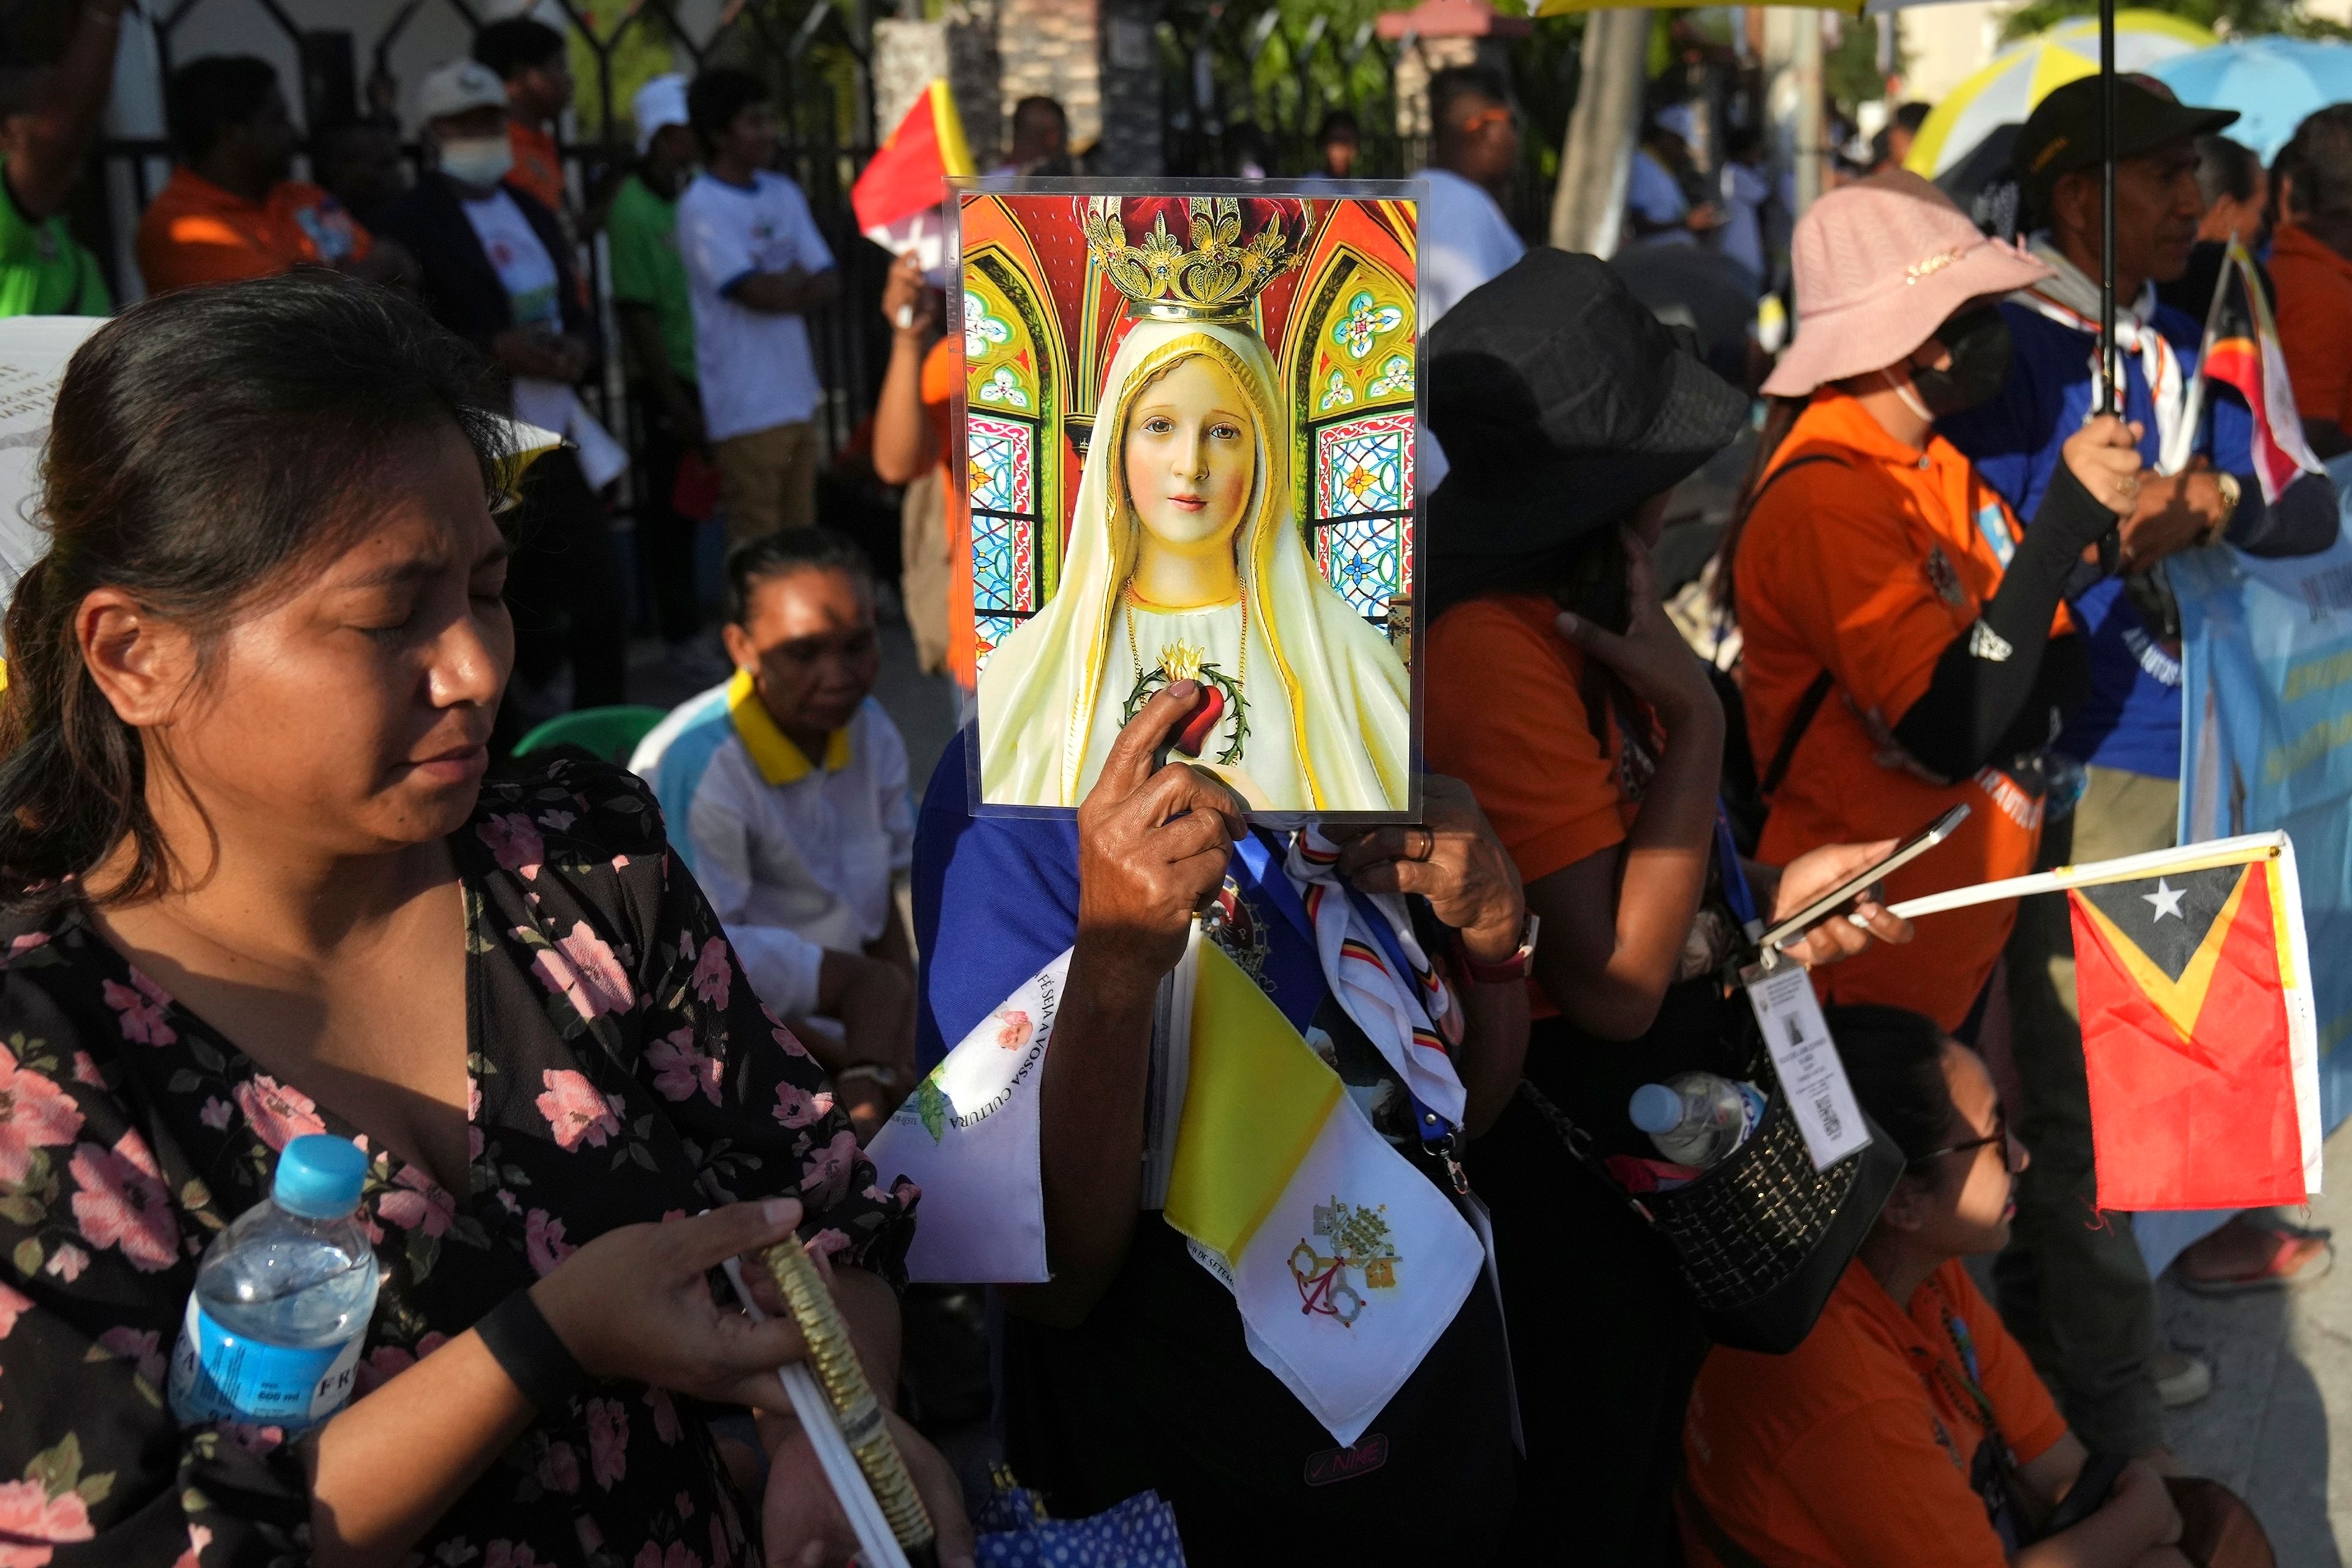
(537, 166)
(195, 232)
(942, 367)
(1868, 565)
(1854, 1449)
(1503, 710)
(2313, 286)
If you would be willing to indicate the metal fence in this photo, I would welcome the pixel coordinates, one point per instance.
(816, 53)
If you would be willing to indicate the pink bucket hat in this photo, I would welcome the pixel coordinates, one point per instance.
(1879, 266)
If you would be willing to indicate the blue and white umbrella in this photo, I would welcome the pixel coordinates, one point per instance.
(2272, 83)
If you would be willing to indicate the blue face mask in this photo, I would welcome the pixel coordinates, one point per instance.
(480, 161)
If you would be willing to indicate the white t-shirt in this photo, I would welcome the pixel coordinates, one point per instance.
(528, 273)
(1465, 240)
(754, 367)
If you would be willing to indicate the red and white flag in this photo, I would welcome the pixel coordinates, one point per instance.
(901, 198)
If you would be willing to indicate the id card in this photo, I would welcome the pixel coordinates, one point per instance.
(1811, 1074)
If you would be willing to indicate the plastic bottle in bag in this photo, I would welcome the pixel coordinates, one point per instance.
(1696, 1118)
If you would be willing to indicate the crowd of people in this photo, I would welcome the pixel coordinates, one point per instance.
(270, 869)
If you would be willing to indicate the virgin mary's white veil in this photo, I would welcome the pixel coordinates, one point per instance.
(1328, 698)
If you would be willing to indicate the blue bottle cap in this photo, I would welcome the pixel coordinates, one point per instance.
(319, 1176)
(1655, 1109)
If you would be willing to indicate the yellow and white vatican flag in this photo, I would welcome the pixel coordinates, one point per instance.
(968, 1137)
(1345, 1261)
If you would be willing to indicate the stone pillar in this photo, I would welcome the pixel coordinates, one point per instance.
(1050, 48)
(1415, 65)
(1130, 89)
(961, 46)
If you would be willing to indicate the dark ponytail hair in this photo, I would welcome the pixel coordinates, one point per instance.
(203, 442)
(1894, 1059)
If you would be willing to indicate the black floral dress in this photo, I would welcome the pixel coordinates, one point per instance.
(622, 1071)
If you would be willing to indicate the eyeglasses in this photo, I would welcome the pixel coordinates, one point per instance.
(2000, 1134)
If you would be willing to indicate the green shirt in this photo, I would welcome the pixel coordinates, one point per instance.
(42, 271)
(641, 235)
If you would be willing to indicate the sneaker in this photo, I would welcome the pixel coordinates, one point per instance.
(2179, 1378)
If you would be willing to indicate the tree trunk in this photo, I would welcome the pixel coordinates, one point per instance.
(1588, 208)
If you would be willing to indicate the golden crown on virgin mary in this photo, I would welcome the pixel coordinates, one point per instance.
(1185, 559)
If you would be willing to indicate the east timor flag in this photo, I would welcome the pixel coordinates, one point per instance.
(2197, 1032)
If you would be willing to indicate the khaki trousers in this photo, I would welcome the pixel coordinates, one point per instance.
(768, 479)
(923, 577)
(2073, 1287)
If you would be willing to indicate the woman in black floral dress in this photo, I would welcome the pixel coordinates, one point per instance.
(266, 892)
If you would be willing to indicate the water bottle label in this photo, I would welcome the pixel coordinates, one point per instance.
(220, 1376)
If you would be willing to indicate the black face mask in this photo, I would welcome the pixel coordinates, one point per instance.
(1980, 343)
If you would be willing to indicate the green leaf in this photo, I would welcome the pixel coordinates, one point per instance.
(59, 1470)
(22, 1208)
(184, 1082)
(931, 1103)
(94, 1488)
(194, 1193)
(27, 1258)
(469, 1230)
(207, 1058)
(642, 1156)
(423, 1251)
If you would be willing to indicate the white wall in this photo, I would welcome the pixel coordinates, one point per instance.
(1945, 43)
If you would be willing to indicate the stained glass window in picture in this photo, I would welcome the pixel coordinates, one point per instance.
(1004, 525)
(1363, 510)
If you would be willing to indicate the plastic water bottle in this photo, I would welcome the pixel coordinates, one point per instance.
(283, 1298)
(1696, 1118)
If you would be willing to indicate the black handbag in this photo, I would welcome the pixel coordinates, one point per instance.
(1762, 1237)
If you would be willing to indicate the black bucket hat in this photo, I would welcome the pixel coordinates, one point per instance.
(1562, 404)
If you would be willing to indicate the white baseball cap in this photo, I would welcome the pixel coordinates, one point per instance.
(660, 103)
(456, 87)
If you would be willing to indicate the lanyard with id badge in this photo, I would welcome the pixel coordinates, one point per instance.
(1781, 993)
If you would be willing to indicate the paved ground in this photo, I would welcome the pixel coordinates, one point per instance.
(2278, 1424)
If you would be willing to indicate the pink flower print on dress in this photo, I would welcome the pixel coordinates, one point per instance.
(140, 1346)
(608, 1441)
(558, 1468)
(217, 1113)
(542, 1241)
(713, 976)
(679, 1070)
(198, 1538)
(29, 1516)
(279, 1113)
(515, 842)
(580, 968)
(34, 1114)
(824, 1177)
(575, 1111)
(140, 1008)
(26, 942)
(798, 1107)
(558, 820)
(14, 1304)
(257, 1440)
(119, 1202)
(791, 1042)
(66, 1263)
(665, 1426)
(86, 1071)
(416, 1200)
(510, 1554)
(1015, 1028)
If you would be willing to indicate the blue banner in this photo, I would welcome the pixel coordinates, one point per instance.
(2266, 739)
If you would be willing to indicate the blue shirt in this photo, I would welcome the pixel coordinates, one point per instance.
(2132, 718)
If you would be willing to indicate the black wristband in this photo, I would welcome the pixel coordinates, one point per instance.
(528, 1350)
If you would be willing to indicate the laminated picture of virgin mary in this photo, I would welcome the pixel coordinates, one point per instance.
(1242, 510)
